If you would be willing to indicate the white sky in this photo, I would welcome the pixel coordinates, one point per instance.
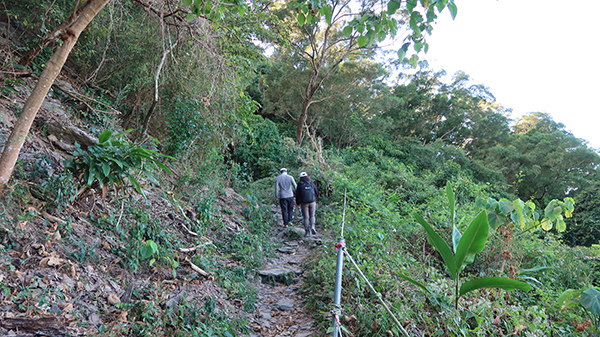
(534, 55)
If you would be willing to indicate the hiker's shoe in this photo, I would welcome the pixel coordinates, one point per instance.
(313, 231)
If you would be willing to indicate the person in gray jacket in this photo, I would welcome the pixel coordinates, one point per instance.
(284, 193)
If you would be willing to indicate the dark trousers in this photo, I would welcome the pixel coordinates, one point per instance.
(287, 209)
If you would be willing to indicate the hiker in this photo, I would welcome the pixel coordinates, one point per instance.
(284, 193)
(306, 197)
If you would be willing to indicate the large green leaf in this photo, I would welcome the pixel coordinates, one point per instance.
(569, 299)
(505, 206)
(456, 235)
(440, 245)
(362, 41)
(105, 169)
(149, 249)
(495, 220)
(493, 282)
(519, 206)
(472, 241)
(104, 136)
(393, 6)
(590, 299)
(561, 226)
(347, 31)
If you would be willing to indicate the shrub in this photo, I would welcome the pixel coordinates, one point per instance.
(109, 162)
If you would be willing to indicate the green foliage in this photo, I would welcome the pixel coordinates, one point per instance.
(61, 189)
(107, 163)
(373, 25)
(148, 250)
(588, 299)
(524, 214)
(470, 243)
(543, 160)
(261, 150)
(196, 318)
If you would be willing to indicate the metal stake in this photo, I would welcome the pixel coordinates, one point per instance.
(337, 294)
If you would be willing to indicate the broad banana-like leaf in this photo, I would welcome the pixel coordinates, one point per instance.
(590, 299)
(452, 207)
(440, 245)
(472, 241)
(493, 282)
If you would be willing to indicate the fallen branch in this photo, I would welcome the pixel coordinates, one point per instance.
(82, 98)
(188, 230)
(197, 269)
(53, 218)
(17, 74)
(193, 249)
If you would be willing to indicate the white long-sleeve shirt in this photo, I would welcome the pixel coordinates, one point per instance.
(283, 186)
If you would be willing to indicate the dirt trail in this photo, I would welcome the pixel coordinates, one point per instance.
(280, 309)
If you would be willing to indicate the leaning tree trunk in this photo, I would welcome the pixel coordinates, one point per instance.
(302, 121)
(53, 67)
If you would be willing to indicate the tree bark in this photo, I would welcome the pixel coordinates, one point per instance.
(32, 105)
(302, 121)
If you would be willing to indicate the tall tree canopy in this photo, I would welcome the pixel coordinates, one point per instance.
(543, 160)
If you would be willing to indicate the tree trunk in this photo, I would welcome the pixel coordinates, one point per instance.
(53, 67)
(302, 121)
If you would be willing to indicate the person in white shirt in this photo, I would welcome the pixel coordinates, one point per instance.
(284, 193)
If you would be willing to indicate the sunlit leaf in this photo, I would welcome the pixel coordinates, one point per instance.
(401, 54)
(347, 31)
(393, 6)
(301, 19)
(472, 241)
(546, 224)
(569, 299)
(362, 41)
(453, 10)
(413, 60)
(533, 270)
(561, 226)
(410, 5)
(493, 282)
(328, 14)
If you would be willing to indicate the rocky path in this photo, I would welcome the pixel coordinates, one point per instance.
(280, 309)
